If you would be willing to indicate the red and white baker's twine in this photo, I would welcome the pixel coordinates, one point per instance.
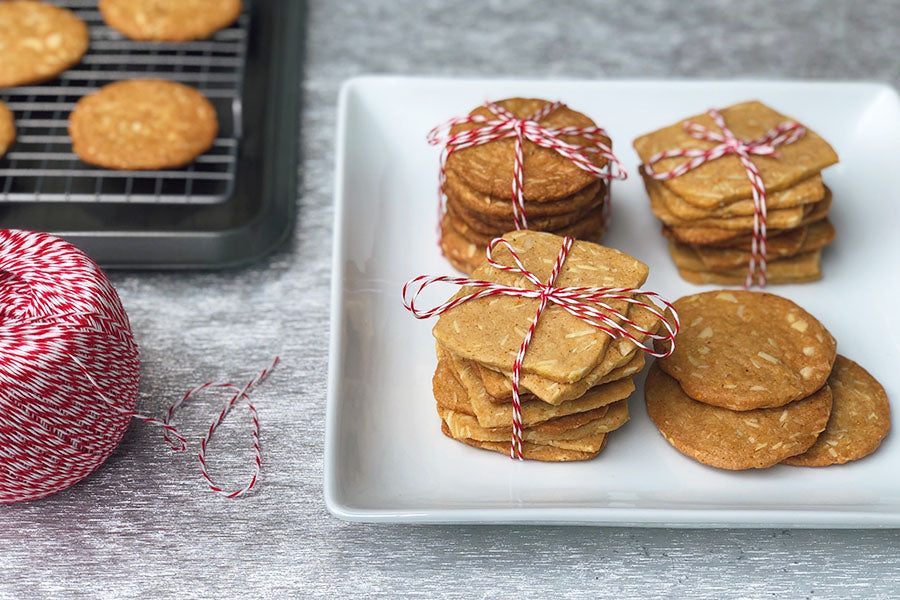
(507, 125)
(586, 303)
(783, 133)
(69, 370)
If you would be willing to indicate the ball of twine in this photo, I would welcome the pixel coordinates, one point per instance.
(69, 372)
(63, 336)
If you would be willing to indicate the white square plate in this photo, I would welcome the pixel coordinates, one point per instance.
(385, 457)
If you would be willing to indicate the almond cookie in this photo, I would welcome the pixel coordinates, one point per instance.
(801, 268)
(143, 124)
(727, 439)
(456, 377)
(806, 239)
(807, 191)
(533, 451)
(564, 348)
(725, 180)
(169, 20)
(502, 208)
(7, 129)
(549, 176)
(38, 41)
(714, 235)
(860, 418)
(566, 430)
(745, 350)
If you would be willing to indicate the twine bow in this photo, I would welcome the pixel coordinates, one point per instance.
(586, 303)
(507, 125)
(783, 133)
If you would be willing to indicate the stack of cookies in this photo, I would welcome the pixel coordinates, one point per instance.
(755, 381)
(575, 379)
(708, 212)
(560, 197)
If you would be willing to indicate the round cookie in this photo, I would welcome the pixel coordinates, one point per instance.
(488, 168)
(745, 350)
(7, 129)
(143, 124)
(860, 418)
(38, 41)
(729, 439)
(591, 224)
(497, 208)
(169, 20)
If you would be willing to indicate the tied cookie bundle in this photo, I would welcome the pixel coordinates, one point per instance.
(537, 352)
(521, 164)
(755, 381)
(740, 195)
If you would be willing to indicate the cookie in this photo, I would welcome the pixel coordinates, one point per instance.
(532, 451)
(623, 356)
(783, 218)
(567, 431)
(455, 376)
(801, 241)
(7, 129)
(744, 350)
(807, 191)
(713, 235)
(499, 386)
(727, 439)
(860, 418)
(169, 20)
(801, 268)
(725, 179)
(142, 124)
(502, 208)
(488, 168)
(38, 41)
(591, 225)
(492, 226)
(462, 254)
(563, 348)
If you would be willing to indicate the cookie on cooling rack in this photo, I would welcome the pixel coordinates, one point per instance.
(169, 20)
(38, 41)
(7, 129)
(143, 124)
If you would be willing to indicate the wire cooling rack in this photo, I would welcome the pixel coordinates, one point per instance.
(41, 167)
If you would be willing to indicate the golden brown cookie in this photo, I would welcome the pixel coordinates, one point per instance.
(590, 226)
(802, 268)
(564, 348)
(7, 129)
(169, 20)
(453, 371)
(623, 359)
(712, 235)
(493, 226)
(807, 191)
(725, 179)
(143, 124)
(462, 254)
(706, 258)
(860, 418)
(38, 41)
(782, 218)
(567, 431)
(502, 208)
(728, 439)
(488, 168)
(532, 451)
(745, 350)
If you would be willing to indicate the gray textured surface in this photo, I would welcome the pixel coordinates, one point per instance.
(142, 526)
